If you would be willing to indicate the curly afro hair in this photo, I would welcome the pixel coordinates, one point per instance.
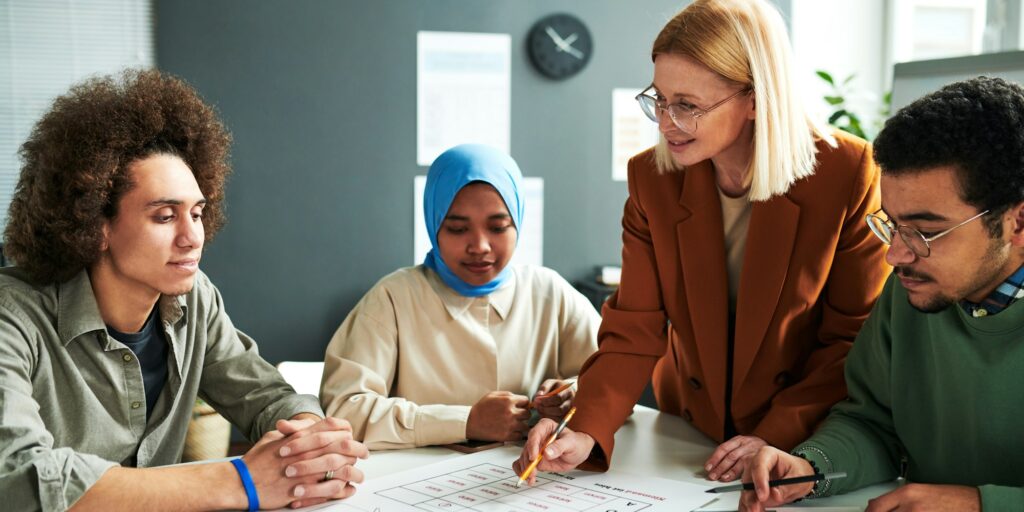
(975, 126)
(76, 160)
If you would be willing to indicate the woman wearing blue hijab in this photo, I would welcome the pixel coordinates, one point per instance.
(449, 350)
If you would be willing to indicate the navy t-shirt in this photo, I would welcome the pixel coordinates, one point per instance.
(150, 348)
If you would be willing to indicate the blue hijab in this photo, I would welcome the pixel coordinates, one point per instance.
(454, 169)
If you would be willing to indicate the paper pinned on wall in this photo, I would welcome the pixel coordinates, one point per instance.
(463, 91)
(530, 250)
(632, 130)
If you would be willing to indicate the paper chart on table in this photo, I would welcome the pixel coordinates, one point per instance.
(485, 482)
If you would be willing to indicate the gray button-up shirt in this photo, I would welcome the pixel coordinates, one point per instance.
(72, 399)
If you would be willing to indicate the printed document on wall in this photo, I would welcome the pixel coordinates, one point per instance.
(463, 91)
(529, 251)
(632, 131)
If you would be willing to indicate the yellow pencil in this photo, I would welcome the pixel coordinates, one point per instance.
(540, 455)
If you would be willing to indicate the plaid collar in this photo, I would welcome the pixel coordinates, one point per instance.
(1000, 298)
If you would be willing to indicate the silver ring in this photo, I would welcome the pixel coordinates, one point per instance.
(328, 475)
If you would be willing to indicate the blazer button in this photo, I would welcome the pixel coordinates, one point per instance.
(695, 384)
(782, 379)
(687, 416)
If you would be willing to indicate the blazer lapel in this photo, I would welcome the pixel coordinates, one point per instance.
(770, 239)
(702, 253)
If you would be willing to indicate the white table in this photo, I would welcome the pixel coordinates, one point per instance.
(650, 443)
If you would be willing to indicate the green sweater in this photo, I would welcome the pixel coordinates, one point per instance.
(943, 390)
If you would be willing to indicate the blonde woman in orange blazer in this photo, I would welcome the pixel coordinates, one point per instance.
(747, 267)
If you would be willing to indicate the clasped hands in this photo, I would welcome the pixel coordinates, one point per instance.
(306, 461)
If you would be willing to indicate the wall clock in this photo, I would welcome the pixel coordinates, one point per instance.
(559, 45)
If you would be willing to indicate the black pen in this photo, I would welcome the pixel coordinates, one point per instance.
(749, 486)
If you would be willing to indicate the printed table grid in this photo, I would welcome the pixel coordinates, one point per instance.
(491, 488)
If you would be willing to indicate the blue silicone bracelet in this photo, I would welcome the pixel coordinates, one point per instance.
(250, 487)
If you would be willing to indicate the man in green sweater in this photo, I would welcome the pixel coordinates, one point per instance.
(935, 376)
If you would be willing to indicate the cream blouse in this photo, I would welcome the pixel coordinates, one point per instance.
(413, 356)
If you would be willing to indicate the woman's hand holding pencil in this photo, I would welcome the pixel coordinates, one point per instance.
(566, 452)
(554, 398)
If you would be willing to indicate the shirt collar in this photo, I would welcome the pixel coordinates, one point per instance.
(78, 313)
(1005, 294)
(500, 300)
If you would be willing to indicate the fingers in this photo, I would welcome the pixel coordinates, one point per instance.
(328, 489)
(731, 463)
(760, 469)
(538, 434)
(338, 463)
(886, 502)
(726, 470)
(546, 392)
(348, 448)
(749, 502)
(289, 427)
(307, 503)
(720, 453)
(521, 402)
(546, 387)
(731, 466)
(518, 432)
(554, 406)
(329, 423)
(270, 437)
(521, 415)
(564, 445)
(314, 438)
(518, 466)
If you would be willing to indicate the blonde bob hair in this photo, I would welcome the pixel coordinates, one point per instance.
(745, 42)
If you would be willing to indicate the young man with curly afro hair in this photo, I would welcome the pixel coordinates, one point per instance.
(109, 331)
(935, 375)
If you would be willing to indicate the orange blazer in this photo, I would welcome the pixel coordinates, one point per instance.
(812, 270)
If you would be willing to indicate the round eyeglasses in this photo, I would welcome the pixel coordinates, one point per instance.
(683, 115)
(919, 244)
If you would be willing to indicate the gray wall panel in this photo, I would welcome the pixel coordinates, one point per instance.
(321, 99)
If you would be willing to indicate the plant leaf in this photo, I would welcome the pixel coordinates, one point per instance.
(849, 78)
(834, 100)
(837, 115)
(825, 76)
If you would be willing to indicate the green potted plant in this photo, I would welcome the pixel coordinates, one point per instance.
(843, 117)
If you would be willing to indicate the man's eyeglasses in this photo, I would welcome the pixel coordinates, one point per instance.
(919, 244)
(683, 115)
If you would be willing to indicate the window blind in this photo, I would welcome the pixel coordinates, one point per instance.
(48, 45)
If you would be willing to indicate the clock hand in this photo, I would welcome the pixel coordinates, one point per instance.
(564, 45)
(554, 36)
(568, 46)
(572, 51)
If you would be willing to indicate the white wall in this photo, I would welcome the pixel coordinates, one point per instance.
(841, 37)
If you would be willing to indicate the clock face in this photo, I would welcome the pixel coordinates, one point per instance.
(560, 46)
